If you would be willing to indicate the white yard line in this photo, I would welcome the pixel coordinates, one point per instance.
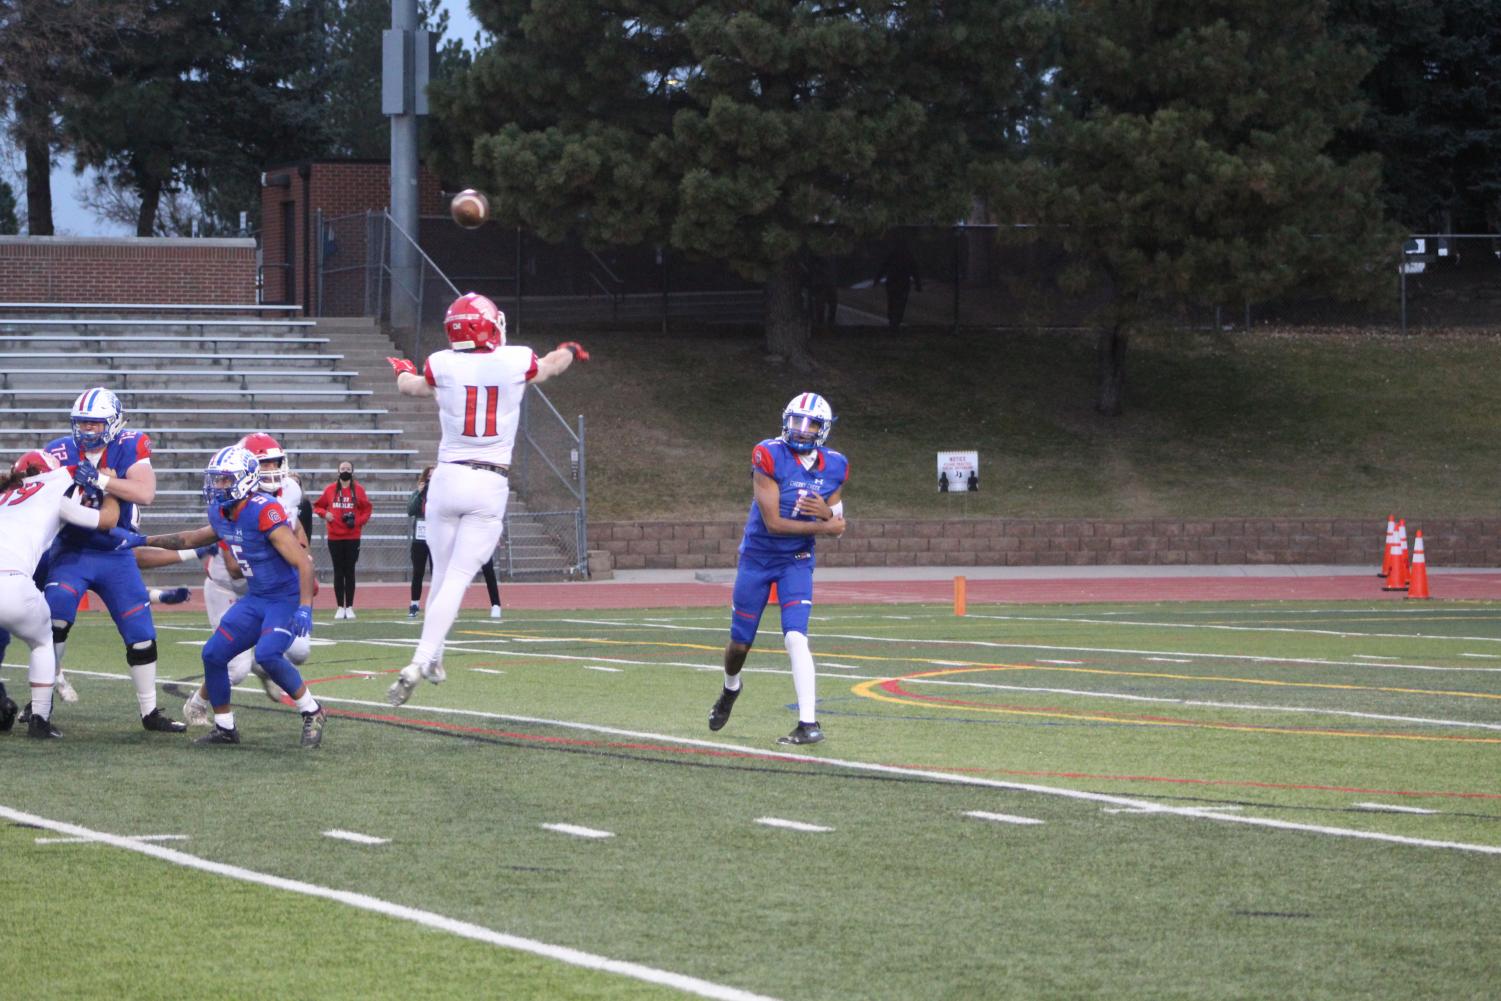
(485, 670)
(578, 832)
(1371, 656)
(1001, 818)
(793, 825)
(1483, 656)
(596, 667)
(356, 837)
(427, 919)
(1389, 808)
(1344, 634)
(131, 837)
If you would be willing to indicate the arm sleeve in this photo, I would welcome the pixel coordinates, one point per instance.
(74, 513)
(320, 506)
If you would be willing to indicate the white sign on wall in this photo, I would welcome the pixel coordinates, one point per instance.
(958, 472)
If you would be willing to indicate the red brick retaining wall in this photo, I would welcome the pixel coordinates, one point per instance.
(126, 269)
(1044, 542)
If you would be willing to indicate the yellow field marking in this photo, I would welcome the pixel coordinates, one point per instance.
(866, 689)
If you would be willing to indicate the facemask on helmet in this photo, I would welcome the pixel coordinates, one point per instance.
(806, 422)
(270, 456)
(92, 408)
(231, 475)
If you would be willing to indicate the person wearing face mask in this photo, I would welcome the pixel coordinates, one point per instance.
(345, 508)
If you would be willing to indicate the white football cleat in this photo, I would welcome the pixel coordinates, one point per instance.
(65, 691)
(406, 681)
(435, 673)
(495, 612)
(196, 711)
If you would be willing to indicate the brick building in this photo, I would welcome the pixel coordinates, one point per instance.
(295, 196)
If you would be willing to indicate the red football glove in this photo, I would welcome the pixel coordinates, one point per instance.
(579, 354)
(400, 365)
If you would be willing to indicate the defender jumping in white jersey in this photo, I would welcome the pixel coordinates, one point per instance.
(479, 383)
(37, 498)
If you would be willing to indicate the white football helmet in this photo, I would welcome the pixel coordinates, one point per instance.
(806, 422)
(230, 476)
(101, 406)
(266, 450)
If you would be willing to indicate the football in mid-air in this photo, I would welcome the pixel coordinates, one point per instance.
(469, 208)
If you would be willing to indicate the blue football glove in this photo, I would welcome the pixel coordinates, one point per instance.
(87, 476)
(126, 539)
(302, 620)
(204, 552)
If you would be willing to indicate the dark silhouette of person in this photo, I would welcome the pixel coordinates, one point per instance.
(899, 272)
(974, 481)
(823, 291)
(943, 482)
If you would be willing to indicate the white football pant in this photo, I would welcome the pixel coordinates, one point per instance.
(466, 510)
(23, 611)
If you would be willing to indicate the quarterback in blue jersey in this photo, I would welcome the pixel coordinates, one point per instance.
(259, 545)
(116, 462)
(798, 488)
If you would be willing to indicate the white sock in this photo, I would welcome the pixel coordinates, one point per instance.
(41, 700)
(154, 595)
(803, 676)
(307, 704)
(732, 682)
(225, 720)
(144, 677)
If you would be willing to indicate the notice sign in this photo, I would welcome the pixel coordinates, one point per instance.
(958, 472)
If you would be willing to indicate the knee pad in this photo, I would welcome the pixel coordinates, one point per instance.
(137, 654)
(795, 642)
(239, 667)
(300, 649)
(60, 629)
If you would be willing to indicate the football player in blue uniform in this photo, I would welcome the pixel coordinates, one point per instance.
(798, 485)
(260, 545)
(117, 462)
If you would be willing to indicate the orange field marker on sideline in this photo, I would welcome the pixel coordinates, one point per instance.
(1397, 579)
(960, 585)
(83, 604)
(771, 599)
(1386, 549)
(1417, 584)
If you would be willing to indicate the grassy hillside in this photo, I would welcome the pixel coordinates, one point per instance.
(1237, 424)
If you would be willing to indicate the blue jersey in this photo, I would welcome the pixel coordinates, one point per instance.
(119, 455)
(248, 537)
(773, 458)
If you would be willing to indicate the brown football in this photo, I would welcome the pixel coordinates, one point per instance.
(469, 208)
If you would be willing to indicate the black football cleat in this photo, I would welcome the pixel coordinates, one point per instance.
(25, 717)
(719, 715)
(220, 735)
(312, 727)
(170, 595)
(41, 729)
(159, 722)
(803, 733)
(8, 712)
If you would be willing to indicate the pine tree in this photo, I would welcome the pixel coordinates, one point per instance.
(746, 131)
(1184, 157)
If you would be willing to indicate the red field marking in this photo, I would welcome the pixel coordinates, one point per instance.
(591, 595)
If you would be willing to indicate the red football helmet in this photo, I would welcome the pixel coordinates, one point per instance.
(474, 323)
(35, 464)
(267, 449)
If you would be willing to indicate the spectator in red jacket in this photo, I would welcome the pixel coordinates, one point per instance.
(345, 508)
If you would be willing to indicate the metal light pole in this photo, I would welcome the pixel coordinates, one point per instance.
(403, 96)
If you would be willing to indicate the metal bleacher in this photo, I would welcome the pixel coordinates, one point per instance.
(196, 383)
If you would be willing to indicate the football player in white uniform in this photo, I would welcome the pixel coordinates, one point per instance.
(221, 589)
(479, 383)
(37, 498)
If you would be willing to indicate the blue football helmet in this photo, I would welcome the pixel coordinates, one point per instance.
(97, 406)
(231, 476)
(806, 422)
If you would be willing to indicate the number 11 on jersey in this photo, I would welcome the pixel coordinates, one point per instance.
(471, 411)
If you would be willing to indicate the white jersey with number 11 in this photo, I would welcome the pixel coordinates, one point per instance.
(479, 401)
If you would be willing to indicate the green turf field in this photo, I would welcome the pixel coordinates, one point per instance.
(1174, 801)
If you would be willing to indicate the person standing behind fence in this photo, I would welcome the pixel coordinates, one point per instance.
(479, 383)
(899, 272)
(422, 556)
(346, 509)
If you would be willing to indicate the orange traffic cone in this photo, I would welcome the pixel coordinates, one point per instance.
(1418, 585)
(771, 599)
(83, 603)
(1386, 548)
(1397, 579)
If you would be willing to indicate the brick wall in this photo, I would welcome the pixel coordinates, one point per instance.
(126, 270)
(1040, 542)
(336, 189)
